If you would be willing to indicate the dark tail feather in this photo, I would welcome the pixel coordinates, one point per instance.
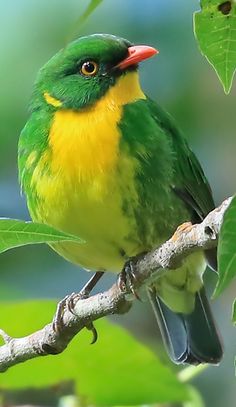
(189, 338)
(211, 257)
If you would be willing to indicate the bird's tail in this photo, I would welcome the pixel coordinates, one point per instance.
(189, 338)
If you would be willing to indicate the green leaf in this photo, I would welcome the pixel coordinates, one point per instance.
(14, 233)
(234, 312)
(75, 29)
(227, 249)
(215, 31)
(117, 370)
(93, 4)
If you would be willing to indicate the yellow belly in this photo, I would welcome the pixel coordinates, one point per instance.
(109, 235)
(95, 212)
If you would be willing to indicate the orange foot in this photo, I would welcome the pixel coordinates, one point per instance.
(185, 227)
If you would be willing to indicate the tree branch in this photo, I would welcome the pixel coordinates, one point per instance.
(149, 267)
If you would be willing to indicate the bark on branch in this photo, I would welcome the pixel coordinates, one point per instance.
(187, 239)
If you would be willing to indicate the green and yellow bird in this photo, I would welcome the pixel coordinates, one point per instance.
(99, 159)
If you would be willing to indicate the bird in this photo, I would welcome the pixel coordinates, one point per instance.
(99, 159)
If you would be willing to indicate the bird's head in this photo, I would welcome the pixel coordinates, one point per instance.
(82, 72)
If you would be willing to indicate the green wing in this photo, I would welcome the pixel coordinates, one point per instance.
(190, 182)
(33, 140)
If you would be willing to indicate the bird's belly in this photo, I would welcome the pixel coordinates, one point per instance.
(100, 219)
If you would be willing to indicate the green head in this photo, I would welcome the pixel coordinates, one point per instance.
(82, 72)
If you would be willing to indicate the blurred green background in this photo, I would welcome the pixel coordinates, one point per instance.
(180, 79)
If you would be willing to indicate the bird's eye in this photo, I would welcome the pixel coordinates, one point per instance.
(89, 68)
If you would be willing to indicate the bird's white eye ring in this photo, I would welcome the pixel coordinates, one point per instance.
(89, 68)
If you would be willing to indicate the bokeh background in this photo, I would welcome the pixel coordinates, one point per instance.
(180, 79)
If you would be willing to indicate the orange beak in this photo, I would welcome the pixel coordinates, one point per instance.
(137, 54)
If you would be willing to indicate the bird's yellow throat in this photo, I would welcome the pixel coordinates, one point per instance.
(86, 142)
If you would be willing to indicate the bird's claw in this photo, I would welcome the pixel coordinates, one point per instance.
(68, 303)
(127, 278)
(92, 328)
(73, 299)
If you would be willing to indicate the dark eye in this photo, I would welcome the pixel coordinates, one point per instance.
(89, 68)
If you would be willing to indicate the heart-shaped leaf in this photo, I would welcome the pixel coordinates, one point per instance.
(215, 31)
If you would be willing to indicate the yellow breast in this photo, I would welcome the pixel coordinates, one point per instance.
(86, 143)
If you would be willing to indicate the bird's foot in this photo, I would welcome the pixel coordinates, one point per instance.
(128, 276)
(69, 302)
